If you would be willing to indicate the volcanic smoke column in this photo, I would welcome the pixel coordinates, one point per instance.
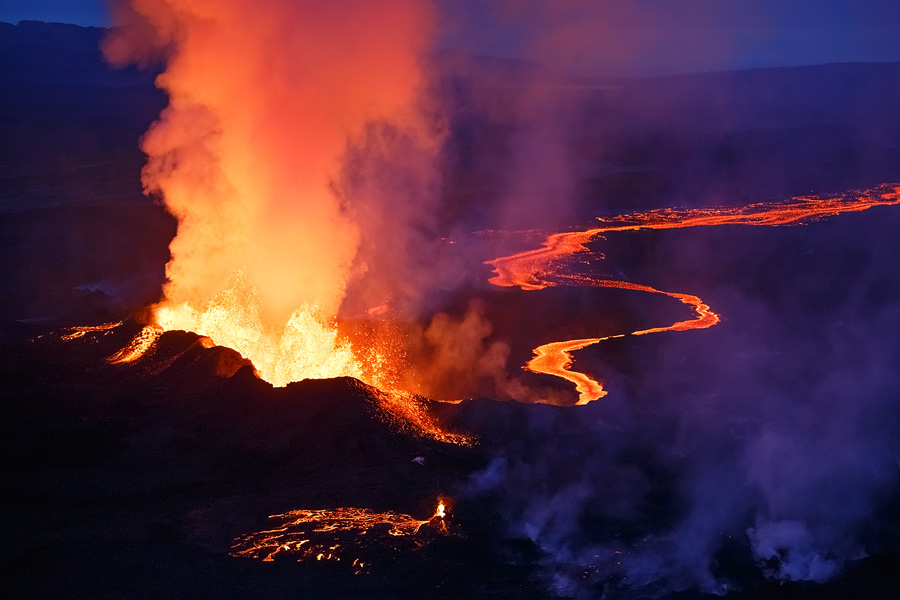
(263, 98)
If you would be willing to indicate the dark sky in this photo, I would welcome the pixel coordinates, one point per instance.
(79, 12)
(629, 36)
(671, 36)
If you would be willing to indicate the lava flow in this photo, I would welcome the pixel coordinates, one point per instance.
(538, 269)
(78, 332)
(355, 536)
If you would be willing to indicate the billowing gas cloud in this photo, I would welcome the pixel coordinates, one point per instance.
(264, 97)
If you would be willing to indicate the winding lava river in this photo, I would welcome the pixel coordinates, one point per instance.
(539, 268)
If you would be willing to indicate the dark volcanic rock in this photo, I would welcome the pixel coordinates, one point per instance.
(134, 480)
(116, 474)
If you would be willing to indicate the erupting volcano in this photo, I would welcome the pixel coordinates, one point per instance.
(244, 154)
(341, 256)
(266, 246)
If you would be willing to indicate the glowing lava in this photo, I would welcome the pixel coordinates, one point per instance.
(264, 101)
(305, 347)
(555, 358)
(407, 412)
(139, 346)
(403, 410)
(537, 269)
(77, 332)
(354, 536)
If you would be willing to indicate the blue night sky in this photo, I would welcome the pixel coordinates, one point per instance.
(628, 36)
(79, 12)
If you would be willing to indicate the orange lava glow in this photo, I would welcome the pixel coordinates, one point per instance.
(77, 332)
(248, 157)
(555, 358)
(340, 534)
(403, 410)
(406, 411)
(538, 269)
(140, 346)
(307, 346)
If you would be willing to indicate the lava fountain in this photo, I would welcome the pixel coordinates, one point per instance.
(263, 104)
(263, 98)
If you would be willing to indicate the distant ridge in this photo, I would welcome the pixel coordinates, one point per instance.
(35, 52)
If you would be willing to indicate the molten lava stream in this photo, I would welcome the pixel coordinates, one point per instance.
(352, 535)
(537, 269)
(78, 332)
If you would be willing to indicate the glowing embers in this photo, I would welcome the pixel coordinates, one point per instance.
(539, 268)
(408, 413)
(356, 537)
(140, 346)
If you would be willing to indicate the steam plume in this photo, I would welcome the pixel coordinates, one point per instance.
(263, 99)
